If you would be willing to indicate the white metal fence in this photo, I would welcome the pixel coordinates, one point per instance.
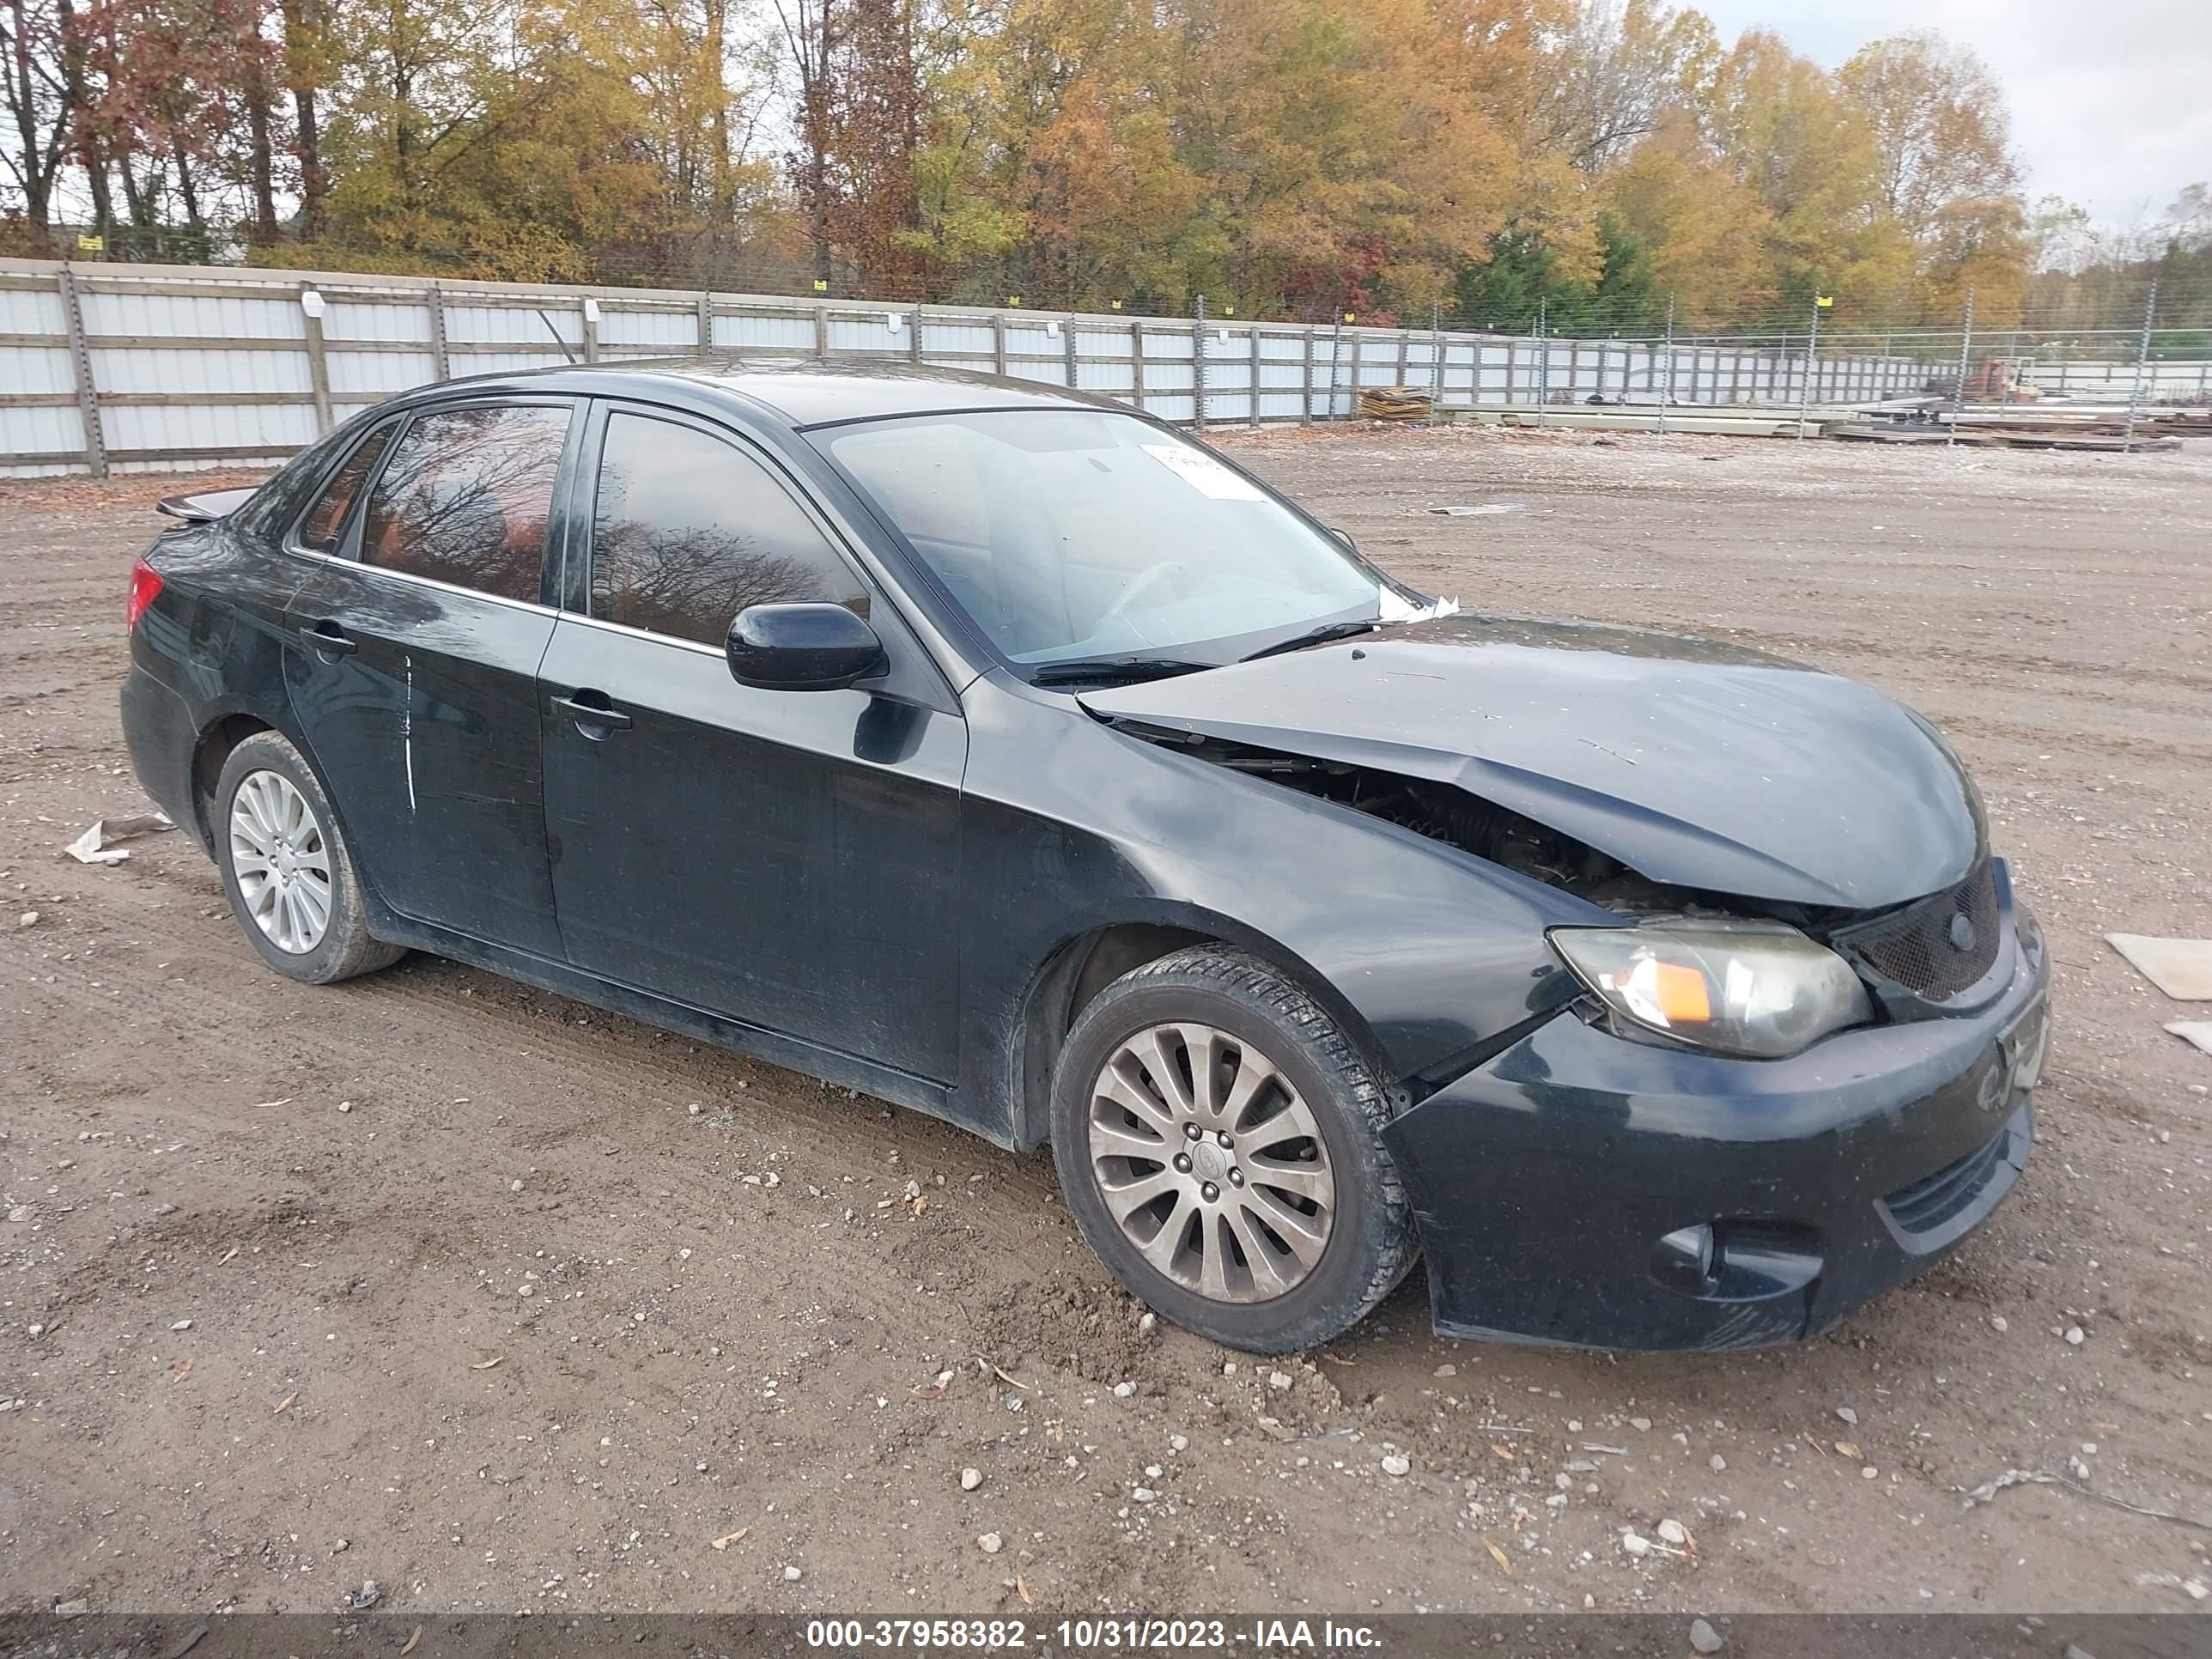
(2054, 373)
(153, 367)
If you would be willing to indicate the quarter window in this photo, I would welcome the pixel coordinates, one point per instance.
(466, 498)
(688, 530)
(325, 521)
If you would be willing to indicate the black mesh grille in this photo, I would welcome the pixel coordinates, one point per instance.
(1937, 946)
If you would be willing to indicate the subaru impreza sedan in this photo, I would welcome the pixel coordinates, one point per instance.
(1004, 754)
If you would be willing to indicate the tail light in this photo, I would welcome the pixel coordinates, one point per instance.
(145, 588)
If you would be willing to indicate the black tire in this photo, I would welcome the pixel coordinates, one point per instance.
(345, 948)
(1370, 1245)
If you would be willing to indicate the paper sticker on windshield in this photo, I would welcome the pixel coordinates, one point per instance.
(1203, 473)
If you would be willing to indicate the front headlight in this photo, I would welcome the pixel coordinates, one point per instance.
(1755, 988)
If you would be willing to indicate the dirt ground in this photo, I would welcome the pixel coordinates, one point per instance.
(505, 1303)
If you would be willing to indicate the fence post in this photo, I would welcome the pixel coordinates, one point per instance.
(1667, 396)
(1959, 398)
(998, 343)
(1067, 349)
(1351, 403)
(590, 306)
(1543, 364)
(87, 397)
(1255, 375)
(1436, 358)
(1198, 366)
(1404, 353)
(441, 356)
(319, 365)
(1306, 368)
(2142, 359)
(913, 334)
(1812, 347)
(822, 333)
(1136, 362)
(1335, 354)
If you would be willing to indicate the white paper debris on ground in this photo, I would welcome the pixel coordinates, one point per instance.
(97, 845)
(2182, 968)
(1486, 510)
(2196, 1032)
(1395, 608)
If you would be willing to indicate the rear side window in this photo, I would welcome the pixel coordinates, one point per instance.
(325, 521)
(466, 498)
(688, 530)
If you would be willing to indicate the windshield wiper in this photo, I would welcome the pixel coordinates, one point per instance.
(1101, 669)
(1321, 636)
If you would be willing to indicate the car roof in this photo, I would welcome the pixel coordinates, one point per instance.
(802, 392)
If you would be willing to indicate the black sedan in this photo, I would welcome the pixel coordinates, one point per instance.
(1004, 754)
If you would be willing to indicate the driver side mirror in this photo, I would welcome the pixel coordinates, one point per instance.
(802, 647)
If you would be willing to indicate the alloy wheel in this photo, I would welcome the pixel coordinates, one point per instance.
(1211, 1162)
(281, 861)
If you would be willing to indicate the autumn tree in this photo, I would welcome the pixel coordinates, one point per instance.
(1614, 71)
(39, 107)
(1706, 229)
(1287, 157)
(874, 207)
(1784, 130)
(1944, 170)
(813, 33)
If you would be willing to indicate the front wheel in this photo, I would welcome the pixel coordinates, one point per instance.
(1219, 1142)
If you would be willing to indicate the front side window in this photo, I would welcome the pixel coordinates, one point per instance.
(325, 521)
(466, 498)
(687, 530)
(1070, 534)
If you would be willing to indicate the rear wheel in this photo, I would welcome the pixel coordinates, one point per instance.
(1219, 1142)
(290, 880)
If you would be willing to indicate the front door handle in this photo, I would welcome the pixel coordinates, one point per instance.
(327, 640)
(589, 715)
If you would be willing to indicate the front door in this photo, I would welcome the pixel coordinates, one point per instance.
(415, 680)
(786, 858)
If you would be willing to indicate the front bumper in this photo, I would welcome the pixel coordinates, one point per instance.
(1543, 1180)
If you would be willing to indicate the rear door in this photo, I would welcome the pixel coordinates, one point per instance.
(787, 859)
(416, 689)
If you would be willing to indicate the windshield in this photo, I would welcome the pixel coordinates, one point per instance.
(1074, 534)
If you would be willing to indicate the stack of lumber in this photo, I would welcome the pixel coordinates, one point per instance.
(1394, 403)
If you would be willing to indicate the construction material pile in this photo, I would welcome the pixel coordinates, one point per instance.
(1394, 403)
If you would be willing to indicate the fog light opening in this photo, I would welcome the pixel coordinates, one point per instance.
(1688, 1260)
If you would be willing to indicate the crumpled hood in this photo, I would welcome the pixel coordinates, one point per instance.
(1693, 763)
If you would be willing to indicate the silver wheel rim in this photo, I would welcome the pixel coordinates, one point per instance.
(281, 861)
(1211, 1162)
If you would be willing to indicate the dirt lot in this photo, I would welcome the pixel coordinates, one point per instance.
(506, 1304)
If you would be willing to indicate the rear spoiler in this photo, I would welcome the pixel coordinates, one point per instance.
(204, 509)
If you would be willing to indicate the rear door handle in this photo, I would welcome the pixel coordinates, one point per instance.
(592, 714)
(327, 638)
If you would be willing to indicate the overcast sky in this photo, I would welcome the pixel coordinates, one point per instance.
(2111, 99)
